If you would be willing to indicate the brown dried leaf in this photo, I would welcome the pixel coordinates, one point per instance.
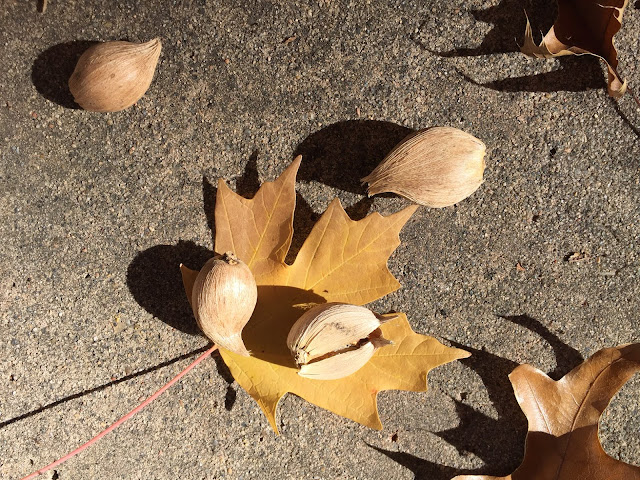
(562, 442)
(585, 27)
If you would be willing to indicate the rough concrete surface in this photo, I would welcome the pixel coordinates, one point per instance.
(98, 210)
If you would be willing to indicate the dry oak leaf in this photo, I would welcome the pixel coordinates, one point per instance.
(562, 442)
(341, 261)
(583, 27)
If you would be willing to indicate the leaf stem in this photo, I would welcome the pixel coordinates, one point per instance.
(126, 417)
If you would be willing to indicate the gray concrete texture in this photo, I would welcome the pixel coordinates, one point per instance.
(97, 211)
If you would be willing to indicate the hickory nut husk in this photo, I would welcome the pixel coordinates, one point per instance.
(436, 167)
(334, 340)
(223, 299)
(112, 76)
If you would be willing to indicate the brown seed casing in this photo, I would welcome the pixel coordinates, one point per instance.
(112, 76)
(436, 167)
(223, 299)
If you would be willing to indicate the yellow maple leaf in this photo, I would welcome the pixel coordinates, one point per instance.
(341, 261)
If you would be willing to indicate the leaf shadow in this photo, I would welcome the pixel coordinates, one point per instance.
(304, 219)
(209, 192)
(342, 153)
(248, 184)
(575, 74)
(52, 68)
(421, 469)
(509, 20)
(504, 454)
(616, 105)
(567, 357)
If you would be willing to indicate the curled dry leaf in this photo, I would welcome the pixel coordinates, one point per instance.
(341, 261)
(562, 442)
(585, 27)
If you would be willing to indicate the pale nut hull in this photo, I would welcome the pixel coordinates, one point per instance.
(335, 340)
(339, 366)
(223, 299)
(112, 76)
(437, 167)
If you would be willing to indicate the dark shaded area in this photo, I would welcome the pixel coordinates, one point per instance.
(209, 193)
(624, 117)
(342, 153)
(53, 67)
(422, 469)
(538, 465)
(304, 219)
(102, 387)
(225, 373)
(496, 442)
(509, 20)
(360, 209)
(567, 357)
(277, 310)
(575, 74)
(248, 184)
(155, 282)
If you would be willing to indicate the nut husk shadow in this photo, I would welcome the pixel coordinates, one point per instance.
(52, 68)
(154, 280)
(277, 310)
(342, 153)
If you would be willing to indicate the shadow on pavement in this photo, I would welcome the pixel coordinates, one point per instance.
(52, 68)
(126, 378)
(499, 443)
(509, 20)
(155, 282)
(342, 153)
(575, 74)
(507, 34)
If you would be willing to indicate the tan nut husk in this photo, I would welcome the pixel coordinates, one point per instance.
(436, 167)
(334, 340)
(112, 76)
(223, 299)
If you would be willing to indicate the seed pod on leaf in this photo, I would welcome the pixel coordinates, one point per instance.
(112, 76)
(436, 167)
(333, 340)
(223, 299)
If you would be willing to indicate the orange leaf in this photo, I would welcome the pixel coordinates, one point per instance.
(562, 442)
